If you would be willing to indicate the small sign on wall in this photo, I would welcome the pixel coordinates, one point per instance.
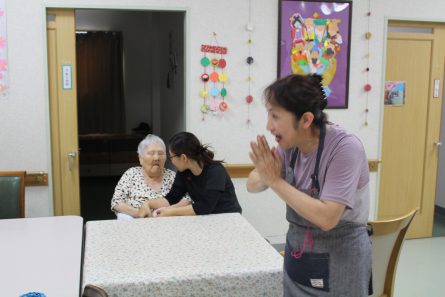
(67, 77)
(4, 81)
(395, 93)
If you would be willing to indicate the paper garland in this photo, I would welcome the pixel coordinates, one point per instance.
(249, 61)
(213, 78)
(367, 87)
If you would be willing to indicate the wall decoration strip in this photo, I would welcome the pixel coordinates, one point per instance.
(4, 76)
(243, 170)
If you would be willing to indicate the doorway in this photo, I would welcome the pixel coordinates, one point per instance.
(152, 99)
(411, 123)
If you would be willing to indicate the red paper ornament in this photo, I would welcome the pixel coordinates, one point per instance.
(249, 99)
(223, 106)
(367, 87)
(205, 77)
(214, 76)
(222, 63)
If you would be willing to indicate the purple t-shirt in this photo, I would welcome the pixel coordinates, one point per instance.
(343, 172)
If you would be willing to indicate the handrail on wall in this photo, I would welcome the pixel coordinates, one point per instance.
(243, 170)
(36, 179)
(40, 178)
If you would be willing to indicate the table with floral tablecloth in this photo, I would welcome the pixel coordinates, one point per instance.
(199, 256)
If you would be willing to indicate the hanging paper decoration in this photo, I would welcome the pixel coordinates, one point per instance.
(367, 87)
(3, 52)
(249, 61)
(213, 78)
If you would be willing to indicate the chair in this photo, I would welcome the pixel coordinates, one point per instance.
(387, 238)
(12, 194)
(93, 291)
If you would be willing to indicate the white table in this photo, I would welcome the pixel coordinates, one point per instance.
(201, 256)
(41, 255)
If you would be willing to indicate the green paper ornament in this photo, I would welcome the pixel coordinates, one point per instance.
(205, 61)
(223, 92)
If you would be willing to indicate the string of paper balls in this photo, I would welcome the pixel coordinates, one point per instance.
(367, 87)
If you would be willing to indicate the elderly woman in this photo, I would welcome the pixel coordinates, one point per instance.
(145, 182)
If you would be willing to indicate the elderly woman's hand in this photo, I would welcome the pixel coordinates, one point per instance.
(266, 161)
(144, 211)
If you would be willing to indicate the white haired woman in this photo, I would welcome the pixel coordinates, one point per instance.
(145, 182)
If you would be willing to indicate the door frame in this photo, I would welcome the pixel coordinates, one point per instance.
(62, 5)
(430, 134)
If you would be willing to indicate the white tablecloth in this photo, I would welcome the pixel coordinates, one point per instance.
(41, 254)
(213, 255)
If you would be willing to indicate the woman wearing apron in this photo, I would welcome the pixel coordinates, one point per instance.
(321, 171)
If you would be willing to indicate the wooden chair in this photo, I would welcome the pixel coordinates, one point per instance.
(93, 291)
(387, 238)
(12, 194)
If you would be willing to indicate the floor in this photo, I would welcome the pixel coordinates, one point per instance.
(421, 264)
(420, 268)
(439, 223)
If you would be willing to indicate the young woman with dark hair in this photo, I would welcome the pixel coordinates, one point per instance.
(321, 171)
(203, 178)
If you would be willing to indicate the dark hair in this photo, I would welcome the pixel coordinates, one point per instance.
(299, 94)
(188, 144)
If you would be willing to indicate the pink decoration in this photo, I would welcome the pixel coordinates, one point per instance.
(367, 87)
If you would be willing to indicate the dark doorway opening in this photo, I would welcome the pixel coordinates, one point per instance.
(148, 92)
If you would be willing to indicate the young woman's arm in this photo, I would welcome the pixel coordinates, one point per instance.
(176, 210)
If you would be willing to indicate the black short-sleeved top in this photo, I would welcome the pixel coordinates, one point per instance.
(212, 191)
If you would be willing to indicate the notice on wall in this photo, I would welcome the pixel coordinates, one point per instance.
(4, 84)
(395, 93)
(67, 77)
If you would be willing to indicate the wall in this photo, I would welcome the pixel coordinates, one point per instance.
(172, 99)
(24, 138)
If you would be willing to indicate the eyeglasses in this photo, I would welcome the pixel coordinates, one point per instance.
(172, 156)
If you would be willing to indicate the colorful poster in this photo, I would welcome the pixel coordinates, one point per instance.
(395, 93)
(314, 37)
(3, 52)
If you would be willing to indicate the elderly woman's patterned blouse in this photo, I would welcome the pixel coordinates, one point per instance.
(133, 190)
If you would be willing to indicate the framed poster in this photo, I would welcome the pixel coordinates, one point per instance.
(314, 37)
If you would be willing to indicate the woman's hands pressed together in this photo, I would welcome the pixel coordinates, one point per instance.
(266, 160)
